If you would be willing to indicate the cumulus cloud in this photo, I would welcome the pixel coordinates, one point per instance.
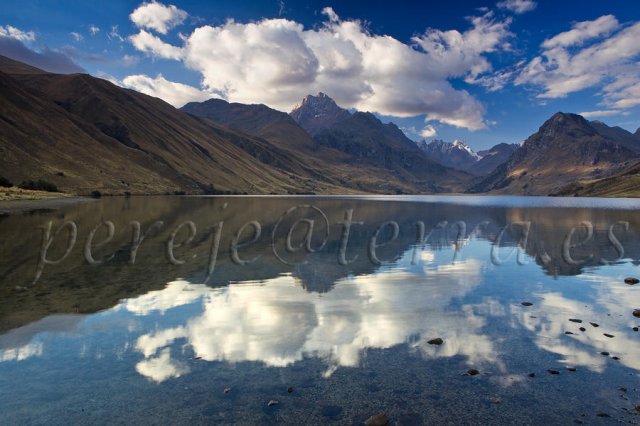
(278, 61)
(157, 16)
(428, 132)
(590, 54)
(76, 36)
(149, 43)
(93, 29)
(177, 94)
(518, 6)
(17, 34)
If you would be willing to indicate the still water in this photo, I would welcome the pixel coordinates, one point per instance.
(315, 310)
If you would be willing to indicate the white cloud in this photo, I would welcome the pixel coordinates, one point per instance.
(114, 34)
(94, 30)
(177, 94)
(17, 34)
(583, 31)
(157, 16)
(590, 54)
(149, 43)
(428, 132)
(518, 6)
(76, 36)
(603, 113)
(277, 62)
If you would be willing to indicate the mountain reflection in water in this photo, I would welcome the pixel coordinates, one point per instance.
(311, 319)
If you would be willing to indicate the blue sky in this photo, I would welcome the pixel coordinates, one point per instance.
(482, 71)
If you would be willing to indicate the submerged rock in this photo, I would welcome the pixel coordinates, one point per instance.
(571, 369)
(609, 335)
(603, 415)
(568, 332)
(636, 313)
(532, 375)
(579, 321)
(290, 389)
(605, 353)
(436, 341)
(631, 281)
(635, 329)
(554, 372)
(473, 372)
(594, 324)
(527, 304)
(377, 420)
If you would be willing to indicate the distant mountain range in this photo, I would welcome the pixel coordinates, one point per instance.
(83, 133)
(460, 156)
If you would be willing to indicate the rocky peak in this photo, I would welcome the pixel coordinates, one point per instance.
(317, 112)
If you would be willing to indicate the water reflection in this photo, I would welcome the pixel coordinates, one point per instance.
(159, 322)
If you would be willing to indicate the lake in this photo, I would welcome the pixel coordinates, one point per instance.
(315, 310)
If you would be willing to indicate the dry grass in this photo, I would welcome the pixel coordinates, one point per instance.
(15, 193)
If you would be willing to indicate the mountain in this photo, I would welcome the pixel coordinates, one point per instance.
(83, 133)
(460, 156)
(618, 134)
(566, 149)
(315, 113)
(456, 154)
(491, 158)
(368, 141)
(623, 184)
(340, 162)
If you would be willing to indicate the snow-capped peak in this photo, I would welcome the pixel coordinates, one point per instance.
(463, 146)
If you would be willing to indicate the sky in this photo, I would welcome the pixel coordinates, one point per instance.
(485, 72)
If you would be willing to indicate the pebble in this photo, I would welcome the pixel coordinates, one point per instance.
(615, 358)
(603, 415)
(436, 341)
(527, 304)
(575, 320)
(604, 353)
(197, 357)
(636, 313)
(272, 403)
(290, 389)
(473, 372)
(631, 281)
(635, 329)
(622, 389)
(553, 371)
(594, 324)
(583, 329)
(609, 335)
(377, 420)
(568, 332)
(571, 368)
(532, 375)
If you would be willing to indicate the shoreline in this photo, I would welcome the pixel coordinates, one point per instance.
(22, 205)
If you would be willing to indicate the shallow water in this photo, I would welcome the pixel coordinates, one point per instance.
(98, 329)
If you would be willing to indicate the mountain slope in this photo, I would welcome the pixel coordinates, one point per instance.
(623, 184)
(618, 134)
(567, 148)
(147, 145)
(492, 158)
